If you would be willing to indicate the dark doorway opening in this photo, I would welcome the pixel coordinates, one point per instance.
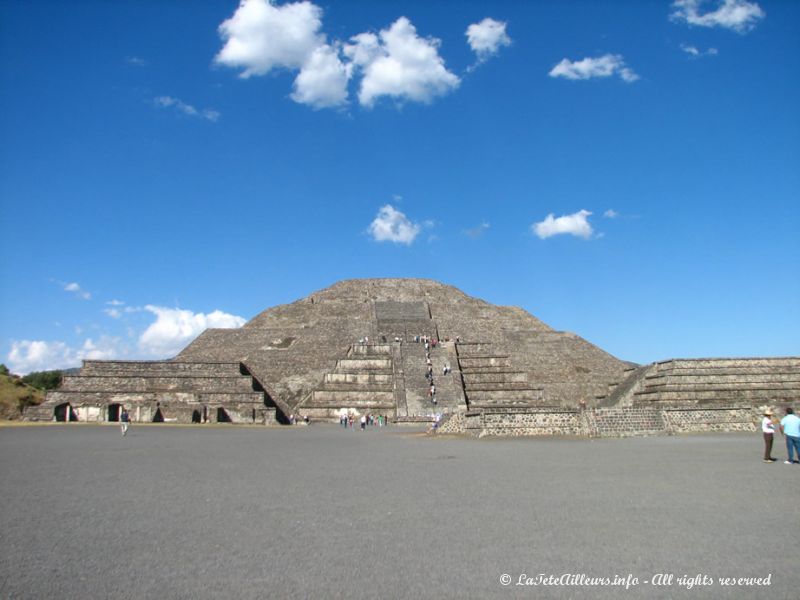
(114, 411)
(64, 413)
(196, 416)
(223, 416)
(158, 417)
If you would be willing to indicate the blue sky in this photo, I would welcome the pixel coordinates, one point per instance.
(628, 171)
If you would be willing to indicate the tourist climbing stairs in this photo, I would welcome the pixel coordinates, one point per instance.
(448, 391)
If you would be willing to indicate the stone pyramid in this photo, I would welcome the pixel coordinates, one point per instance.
(351, 346)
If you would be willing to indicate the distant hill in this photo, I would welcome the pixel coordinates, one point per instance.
(15, 395)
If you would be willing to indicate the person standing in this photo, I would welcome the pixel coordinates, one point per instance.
(363, 422)
(790, 427)
(124, 421)
(768, 429)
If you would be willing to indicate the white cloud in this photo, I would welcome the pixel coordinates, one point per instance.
(136, 61)
(611, 214)
(393, 226)
(478, 231)
(322, 82)
(175, 327)
(487, 37)
(399, 64)
(76, 289)
(187, 109)
(575, 224)
(38, 355)
(739, 15)
(690, 50)
(105, 348)
(115, 303)
(693, 51)
(603, 66)
(172, 329)
(260, 36)
(114, 313)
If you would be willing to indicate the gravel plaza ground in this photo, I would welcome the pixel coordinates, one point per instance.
(320, 512)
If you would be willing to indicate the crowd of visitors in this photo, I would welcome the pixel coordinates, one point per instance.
(348, 421)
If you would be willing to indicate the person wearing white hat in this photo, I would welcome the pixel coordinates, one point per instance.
(768, 429)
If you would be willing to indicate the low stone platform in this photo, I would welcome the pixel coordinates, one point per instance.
(603, 422)
(157, 391)
(709, 382)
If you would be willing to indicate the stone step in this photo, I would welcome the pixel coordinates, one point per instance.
(472, 377)
(741, 373)
(528, 395)
(473, 362)
(347, 398)
(720, 396)
(171, 368)
(354, 402)
(490, 370)
(727, 363)
(719, 386)
(405, 330)
(76, 397)
(467, 349)
(156, 383)
(497, 403)
(357, 388)
(498, 385)
(371, 350)
(364, 364)
(360, 378)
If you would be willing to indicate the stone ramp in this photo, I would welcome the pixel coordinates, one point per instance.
(156, 391)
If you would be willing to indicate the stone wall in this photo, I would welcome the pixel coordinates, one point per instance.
(525, 422)
(604, 422)
(689, 420)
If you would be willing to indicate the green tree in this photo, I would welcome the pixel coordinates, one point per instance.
(43, 380)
